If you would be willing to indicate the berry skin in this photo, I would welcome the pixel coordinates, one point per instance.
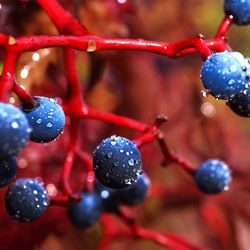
(224, 74)
(26, 200)
(240, 103)
(213, 176)
(135, 193)
(86, 212)
(239, 9)
(14, 129)
(8, 167)
(117, 162)
(46, 119)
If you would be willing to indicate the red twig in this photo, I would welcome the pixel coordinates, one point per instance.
(171, 157)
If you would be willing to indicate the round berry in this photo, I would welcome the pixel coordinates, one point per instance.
(46, 119)
(117, 162)
(14, 129)
(240, 103)
(86, 212)
(213, 176)
(136, 192)
(26, 200)
(239, 9)
(224, 74)
(8, 168)
(107, 196)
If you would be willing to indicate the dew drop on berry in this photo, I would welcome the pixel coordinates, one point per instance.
(49, 125)
(131, 162)
(39, 121)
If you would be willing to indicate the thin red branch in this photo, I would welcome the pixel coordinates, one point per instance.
(27, 100)
(223, 29)
(171, 157)
(7, 77)
(69, 160)
(92, 43)
(163, 239)
(74, 90)
(63, 20)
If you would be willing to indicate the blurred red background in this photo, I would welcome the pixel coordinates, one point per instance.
(141, 86)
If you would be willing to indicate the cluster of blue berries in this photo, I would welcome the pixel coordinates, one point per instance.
(87, 212)
(120, 181)
(26, 199)
(226, 75)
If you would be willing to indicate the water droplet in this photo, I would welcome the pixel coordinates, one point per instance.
(231, 82)
(109, 154)
(204, 93)
(128, 181)
(49, 125)
(131, 162)
(14, 125)
(233, 68)
(35, 192)
(39, 121)
(113, 143)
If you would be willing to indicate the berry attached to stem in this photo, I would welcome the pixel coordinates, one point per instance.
(46, 119)
(213, 176)
(14, 129)
(239, 9)
(26, 200)
(224, 74)
(117, 162)
(86, 212)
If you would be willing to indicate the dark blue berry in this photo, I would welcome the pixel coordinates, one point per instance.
(87, 211)
(240, 103)
(117, 162)
(213, 176)
(8, 168)
(107, 195)
(46, 119)
(224, 74)
(14, 129)
(239, 9)
(136, 192)
(26, 200)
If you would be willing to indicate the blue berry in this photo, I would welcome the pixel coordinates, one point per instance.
(107, 195)
(240, 9)
(224, 74)
(117, 162)
(8, 168)
(86, 212)
(136, 192)
(240, 103)
(213, 176)
(46, 119)
(26, 200)
(14, 129)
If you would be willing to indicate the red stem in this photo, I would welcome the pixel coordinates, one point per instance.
(7, 77)
(223, 29)
(69, 160)
(63, 20)
(171, 157)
